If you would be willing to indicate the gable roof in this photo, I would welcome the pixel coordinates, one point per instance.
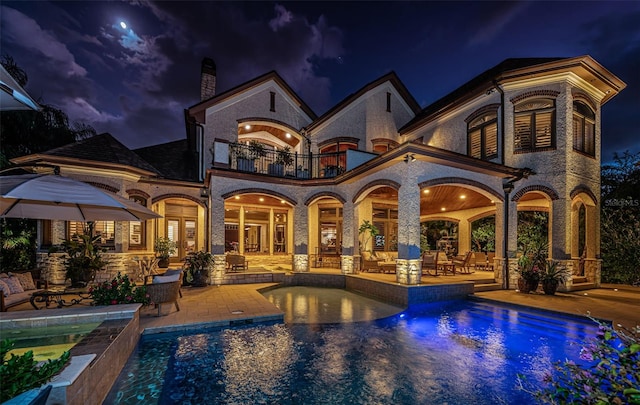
(515, 69)
(391, 77)
(99, 148)
(200, 107)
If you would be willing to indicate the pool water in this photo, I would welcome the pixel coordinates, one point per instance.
(47, 342)
(454, 352)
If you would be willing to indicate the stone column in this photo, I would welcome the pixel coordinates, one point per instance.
(348, 239)
(560, 229)
(217, 273)
(408, 267)
(300, 239)
(217, 224)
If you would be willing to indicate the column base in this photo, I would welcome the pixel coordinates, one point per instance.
(408, 271)
(300, 263)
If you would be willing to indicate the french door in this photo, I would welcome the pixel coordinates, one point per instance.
(184, 232)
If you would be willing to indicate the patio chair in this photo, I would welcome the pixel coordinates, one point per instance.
(490, 257)
(370, 263)
(443, 263)
(236, 263)
(463, 262)
(163, 293)
(479, 260)
(429, 264)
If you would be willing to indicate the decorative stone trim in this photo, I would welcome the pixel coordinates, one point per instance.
(103, 186)
(216, 276)
(481, 111)
(178, 195)
(301, 263)
(346, 264)
(135, 192)
(581, 96)
(537, 187)
(376, 183)
(264, 191)
(408, 271)
(534, 93)
(461, 180)
(583, 189)
(339, 139)
(329, 194)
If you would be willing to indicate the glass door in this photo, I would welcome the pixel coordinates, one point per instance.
(183, 231)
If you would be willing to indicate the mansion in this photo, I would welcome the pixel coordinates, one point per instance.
(260, 174)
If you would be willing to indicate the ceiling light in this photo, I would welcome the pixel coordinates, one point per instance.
(282, 201)
(237, 197)
(462, 197)
(247, 126)
(261, 199)
(288, 135)
(426, 191)
(443, 209)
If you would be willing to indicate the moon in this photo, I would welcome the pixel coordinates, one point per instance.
(123, 25)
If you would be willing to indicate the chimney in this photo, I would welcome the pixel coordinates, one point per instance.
(207, 79)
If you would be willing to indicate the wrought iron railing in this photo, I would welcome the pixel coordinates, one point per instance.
(282, 163)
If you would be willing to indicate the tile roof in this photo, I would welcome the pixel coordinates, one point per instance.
(102, 148)
(171, 159)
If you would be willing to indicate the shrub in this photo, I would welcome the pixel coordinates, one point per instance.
(612, 375)
(22, 373)
(120, 290)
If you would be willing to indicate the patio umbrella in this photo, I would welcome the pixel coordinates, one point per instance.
(12, 95)
(49, 196)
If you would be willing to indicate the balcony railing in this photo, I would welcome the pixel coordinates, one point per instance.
(286, 164)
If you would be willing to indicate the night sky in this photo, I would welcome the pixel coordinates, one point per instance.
(134, 82)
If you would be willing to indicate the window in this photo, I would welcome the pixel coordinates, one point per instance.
(483, 137)
(385, 218)
(584, 129)
(534, 125)
(388, 102)
(330, 229)
(137, 239)
(104, 229)
(272, 101)
(381, 145)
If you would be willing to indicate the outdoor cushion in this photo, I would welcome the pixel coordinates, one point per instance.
(366, 255)
(5, 288)
(382, 256)
(14, 285)
(166, 279)
(26, 280)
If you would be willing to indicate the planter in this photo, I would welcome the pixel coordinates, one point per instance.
(550, 286)
(302, 174)
(526, 286)
(163, 263)
(276, 169)
(246, 165)
(200, 278)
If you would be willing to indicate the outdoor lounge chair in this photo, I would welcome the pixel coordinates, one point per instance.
(463, 263)
(443, 263)
(236, 263)
(479, 261)
(163, 293)
(429, 265)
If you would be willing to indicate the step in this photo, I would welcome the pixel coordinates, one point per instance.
(492, 286)
(579, 279)
(582, 286)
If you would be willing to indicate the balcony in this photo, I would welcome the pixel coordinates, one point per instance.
(282, 163)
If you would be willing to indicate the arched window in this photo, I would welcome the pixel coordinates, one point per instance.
(535, 123)
(584, 129)
(482, 135)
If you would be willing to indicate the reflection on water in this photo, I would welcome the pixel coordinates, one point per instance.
(452, 352)
(327, 305)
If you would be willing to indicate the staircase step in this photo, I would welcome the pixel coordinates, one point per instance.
(579, 279)
(582, 286)
(493, 286)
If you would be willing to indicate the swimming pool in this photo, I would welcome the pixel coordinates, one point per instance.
(47, 342)
(454, 352)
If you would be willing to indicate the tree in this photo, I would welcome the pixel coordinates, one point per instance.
(483, 234)
(620, 220)
(24, 132)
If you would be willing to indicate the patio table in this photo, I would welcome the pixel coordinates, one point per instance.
(62, 297)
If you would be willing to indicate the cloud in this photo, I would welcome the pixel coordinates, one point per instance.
(19, 28)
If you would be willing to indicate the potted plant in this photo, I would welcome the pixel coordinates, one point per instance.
(552, 277)
(332, 171)
(529, 275)
(164, 248)
(197, 265)
(84, 258)
(247, 154)
(283, 158)
(367, 231)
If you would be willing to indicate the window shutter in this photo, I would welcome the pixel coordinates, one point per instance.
(475, 144)
(522, 139)
(491, 141)
(590, 137)
(544, 130)
(577, 133)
